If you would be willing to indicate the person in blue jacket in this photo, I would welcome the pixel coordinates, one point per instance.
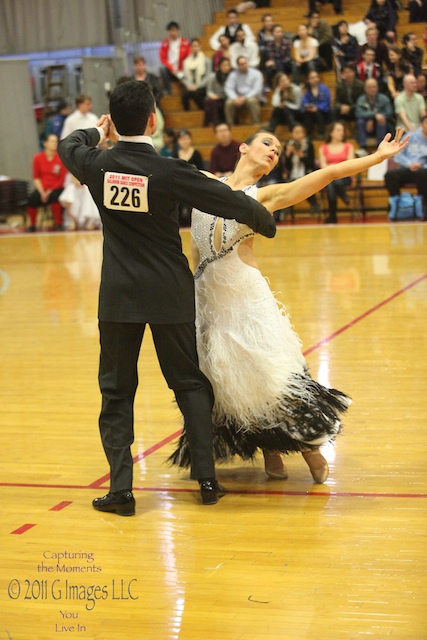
(316, 105)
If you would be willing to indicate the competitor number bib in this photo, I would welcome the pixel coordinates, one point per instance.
(126, 192)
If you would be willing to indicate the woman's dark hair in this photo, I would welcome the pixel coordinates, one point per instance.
(169, 132)
(330, 128)
(221, 76)
(131, 104)
(407, 37)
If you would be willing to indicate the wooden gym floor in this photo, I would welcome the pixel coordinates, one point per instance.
(274, 560)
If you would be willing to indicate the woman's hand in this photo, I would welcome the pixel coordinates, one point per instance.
(389, 148)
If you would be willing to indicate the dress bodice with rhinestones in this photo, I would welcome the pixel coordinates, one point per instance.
(203, 229)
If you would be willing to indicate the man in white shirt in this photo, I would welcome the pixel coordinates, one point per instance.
(81, 211)
(81, 118)
(230, 30)
(243, 47)
(243, 88)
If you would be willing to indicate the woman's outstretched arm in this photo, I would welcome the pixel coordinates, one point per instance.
(279, 196)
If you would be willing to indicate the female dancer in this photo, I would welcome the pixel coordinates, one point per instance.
(264, 395)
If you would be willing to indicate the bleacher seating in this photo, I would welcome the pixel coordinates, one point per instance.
(288, 13)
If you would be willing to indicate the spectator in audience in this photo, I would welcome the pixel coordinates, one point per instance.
(321, 30)
(345, 46)
(215, 94)
(411, 53)
(374, 114)
(81, 118)
(140, 73)
(417, 10)
(286, 103)
(409, 106)
(316, 105)
(187, 152)
(49, 176)
(223, 52)
(380, 48)
(225, 153)
(56, 121)
(396, 69)
(80, 208)
(243, 47)
(383, 15)
(173, 51)
(277, 56)
(346, 94)
(243, 88)
(368, 68)
(412, 164)
(230, 30)
(265, 34)
(422, 85)
(170, 144)
(197, 69)
(299, 159)
(333, 151)
(305, 53)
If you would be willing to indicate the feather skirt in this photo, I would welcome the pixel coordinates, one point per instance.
(264, 395)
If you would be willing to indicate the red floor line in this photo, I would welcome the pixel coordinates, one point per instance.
(332, 494)
(364, 315)
(23, 529)
(256, 492)
(140, 456)
(61, 505)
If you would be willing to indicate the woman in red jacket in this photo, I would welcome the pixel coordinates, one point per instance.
(49, 175)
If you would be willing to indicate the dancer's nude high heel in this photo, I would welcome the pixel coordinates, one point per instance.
(274, 466)
(317, 464)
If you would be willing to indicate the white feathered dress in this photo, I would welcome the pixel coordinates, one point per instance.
(264, 395)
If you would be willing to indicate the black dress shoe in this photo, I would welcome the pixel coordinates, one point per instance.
(211, 491)
(121, 503)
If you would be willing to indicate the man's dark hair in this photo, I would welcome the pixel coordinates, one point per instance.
(130, 106)
(172, 25)
(232, 11)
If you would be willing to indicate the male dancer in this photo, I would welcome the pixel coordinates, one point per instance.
(146, 279)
